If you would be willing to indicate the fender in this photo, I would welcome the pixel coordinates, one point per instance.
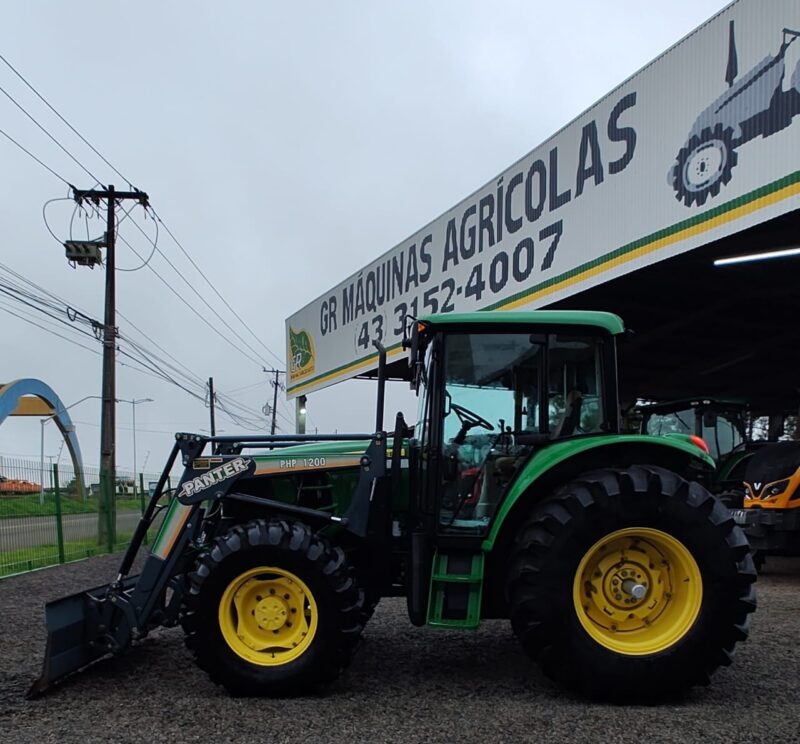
(728, 465)
(556, 453)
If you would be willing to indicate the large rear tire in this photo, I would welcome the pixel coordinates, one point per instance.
(273, 610)
(631, 585)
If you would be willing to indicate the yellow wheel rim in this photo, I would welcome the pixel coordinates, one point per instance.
(637, 591)
(268, 616)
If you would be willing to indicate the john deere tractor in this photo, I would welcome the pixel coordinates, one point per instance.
(719, 425)
(513, 496)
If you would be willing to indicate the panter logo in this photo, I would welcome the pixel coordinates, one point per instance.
(301, 354)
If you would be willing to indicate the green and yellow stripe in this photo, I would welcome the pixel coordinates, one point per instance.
(760, 198)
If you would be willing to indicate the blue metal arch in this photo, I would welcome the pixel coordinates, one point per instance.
(10, 395)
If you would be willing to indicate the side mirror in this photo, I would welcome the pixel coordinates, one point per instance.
(411, 339)
(414, 361)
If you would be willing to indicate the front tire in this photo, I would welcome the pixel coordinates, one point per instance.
(631, 585)
(273, 610)
(704, 165)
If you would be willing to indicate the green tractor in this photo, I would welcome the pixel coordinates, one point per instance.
(513, 496)
(722, 425)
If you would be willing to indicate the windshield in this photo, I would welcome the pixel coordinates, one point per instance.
(724, 436)
(497, 379)
(493, 378)
(721, 437)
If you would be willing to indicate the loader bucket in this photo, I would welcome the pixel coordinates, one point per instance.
(78, 633)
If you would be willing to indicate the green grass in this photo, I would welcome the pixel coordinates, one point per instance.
(26, 559)
(29, 506)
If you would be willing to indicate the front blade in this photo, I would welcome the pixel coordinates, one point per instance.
(75, 637)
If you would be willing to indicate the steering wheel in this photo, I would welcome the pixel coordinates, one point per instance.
(468, 419)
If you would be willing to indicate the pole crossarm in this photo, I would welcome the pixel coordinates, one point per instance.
(95, 195)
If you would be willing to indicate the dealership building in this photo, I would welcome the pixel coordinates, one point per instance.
(673, 202)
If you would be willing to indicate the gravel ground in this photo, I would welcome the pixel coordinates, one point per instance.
(406, 684)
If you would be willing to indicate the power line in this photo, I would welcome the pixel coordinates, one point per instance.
(135, 366)
(30, 154)
(199, 295)
(238, 419)
(58, 301)
(191, 307)
(214, 289)
(141, 361)
(260, 383)
(154, 241)
(47, 310)
(75, 131)
(140, 356)
(157, 219)
(146, 360)
(64, 149)
(188, 372)
(47, 330)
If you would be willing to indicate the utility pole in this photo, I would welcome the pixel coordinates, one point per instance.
(211, 402)
(108, 465)
(276, 384)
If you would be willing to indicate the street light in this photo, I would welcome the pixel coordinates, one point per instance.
(133, 403)
(301, 415)
(42, 422)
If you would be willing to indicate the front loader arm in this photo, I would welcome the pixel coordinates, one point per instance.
(86, 626)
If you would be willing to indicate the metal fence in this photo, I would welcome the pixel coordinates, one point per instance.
(48, 516)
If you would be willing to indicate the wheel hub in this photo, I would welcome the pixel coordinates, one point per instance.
(268, 616)
(272, 613)
(705, 165)
(627, 586)
(623, 589)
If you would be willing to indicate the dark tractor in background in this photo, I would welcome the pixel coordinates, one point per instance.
(724, 428)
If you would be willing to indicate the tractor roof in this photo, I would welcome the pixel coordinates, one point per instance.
(606, 321)
(683, 404)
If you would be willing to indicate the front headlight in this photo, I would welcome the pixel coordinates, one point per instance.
(775, 490)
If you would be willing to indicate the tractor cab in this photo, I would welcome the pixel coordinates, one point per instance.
(491, 394)
(726, 428)
(721, 424)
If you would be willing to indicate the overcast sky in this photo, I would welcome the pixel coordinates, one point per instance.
(285, 145)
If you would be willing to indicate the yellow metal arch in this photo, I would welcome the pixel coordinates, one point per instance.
(32, 397)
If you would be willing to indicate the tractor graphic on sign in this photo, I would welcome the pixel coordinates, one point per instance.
(755, 104)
